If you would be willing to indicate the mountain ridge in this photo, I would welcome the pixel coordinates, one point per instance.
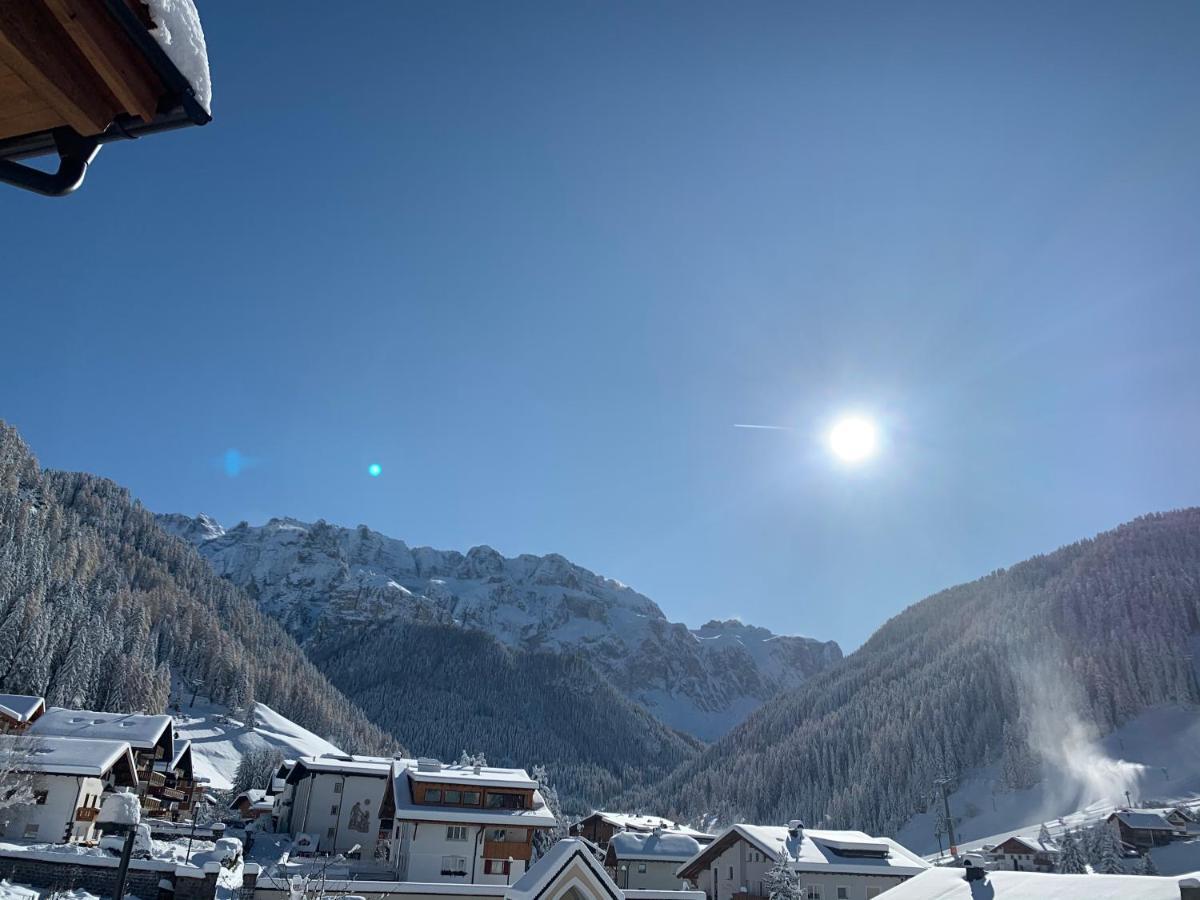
(313, 576)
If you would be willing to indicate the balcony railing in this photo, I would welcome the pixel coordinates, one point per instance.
(86, 814)
(505, 849)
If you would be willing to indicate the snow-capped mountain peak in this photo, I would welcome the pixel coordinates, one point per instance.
(315, 576)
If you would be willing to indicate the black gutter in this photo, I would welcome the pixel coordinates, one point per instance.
(74, 155)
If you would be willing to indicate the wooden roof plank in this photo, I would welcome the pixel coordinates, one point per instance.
(35, 45)
(123, 68)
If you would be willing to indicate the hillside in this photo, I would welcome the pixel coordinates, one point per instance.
(100, 608)
(1022, 669)
(317, 578)
(442, 690)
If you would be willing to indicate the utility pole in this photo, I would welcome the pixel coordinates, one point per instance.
(944, 784)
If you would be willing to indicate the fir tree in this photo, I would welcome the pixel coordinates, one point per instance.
(1109, 852)
(781, 880)
(1070, 857)
(1146, 865)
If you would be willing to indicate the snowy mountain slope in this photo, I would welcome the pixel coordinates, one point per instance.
(1154, 756)
(315, 577)
(220, 740)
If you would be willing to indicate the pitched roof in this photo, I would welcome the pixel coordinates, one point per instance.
(366, 766)
(540, 877)
(139, 731)
(1143, 820)
(632, 822)
(70, 756)
(950, 884)
(851, 852)
(666, 846)
(20, 707)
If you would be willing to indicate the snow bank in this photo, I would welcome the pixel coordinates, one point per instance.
(16, 892)
(177, 29)
(219, 742)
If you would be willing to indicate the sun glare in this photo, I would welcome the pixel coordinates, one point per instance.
(853, 439)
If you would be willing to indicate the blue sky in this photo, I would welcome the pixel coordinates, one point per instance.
(536, 259)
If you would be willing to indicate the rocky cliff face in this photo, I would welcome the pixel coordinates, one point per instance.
(314, 577)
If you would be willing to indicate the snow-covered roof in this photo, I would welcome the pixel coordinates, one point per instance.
(852, 852)
(539, 816)
(951, 884)
(140, 732)
(182, 749)
(1030, 844)
(483, 776)
(70, 756)
(20, 707)
(647, 823)
(666, 846)
(1144, 820)
(177, 29)
(366, 766)
(540, 877)
(253, 795)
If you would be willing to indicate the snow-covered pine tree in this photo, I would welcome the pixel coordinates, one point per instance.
(545, 839)
(16, 785)
(1146, 865)
(781, 880)
(255, 769)
(1044, 836)
(1108, 852)
(1070, 857)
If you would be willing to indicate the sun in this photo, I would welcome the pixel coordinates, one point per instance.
(853, 439)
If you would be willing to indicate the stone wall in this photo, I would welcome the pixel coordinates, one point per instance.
(98, 876)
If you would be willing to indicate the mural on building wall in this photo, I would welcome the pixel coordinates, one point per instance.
(360, 817)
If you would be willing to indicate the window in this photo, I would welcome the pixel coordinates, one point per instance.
(456, 832)
(505, 801)
(813, 893)
(329, 833)
(333, 810)
(471, 798)
(873, 892)
(453, 796)
(39, 797)
(497, 834)
(31, 830)
(731, 873)
(433, 795)
(337, 788)
(454, 865)
(843, 893)
(641, 868)
(496, 867)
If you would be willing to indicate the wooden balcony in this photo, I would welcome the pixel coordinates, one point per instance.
(505, 849)
(86, 814)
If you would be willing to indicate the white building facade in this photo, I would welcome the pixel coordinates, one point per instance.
(461, 824)
(68, 779)
(335, 800)
(830, 865)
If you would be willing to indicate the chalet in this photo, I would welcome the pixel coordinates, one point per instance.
(460, 823)
(649, 861)
(568, 871)
(69, 777)
(151, 737)
(599, 827)
(952, 883)
(253, 805)
(19, 711)
(179, 792)
(831, 865)
(333, 801)
(1142, 828)
(1024, 855)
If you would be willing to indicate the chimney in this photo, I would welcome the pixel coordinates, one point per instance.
(1189, 889)
(478, 768)
(973, 872)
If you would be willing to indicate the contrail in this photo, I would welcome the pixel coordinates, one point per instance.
(765, 427)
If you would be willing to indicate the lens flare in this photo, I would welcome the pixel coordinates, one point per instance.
(374, 470)
(853, 439)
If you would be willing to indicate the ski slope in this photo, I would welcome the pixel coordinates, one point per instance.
(219, 740)
(1163, 741)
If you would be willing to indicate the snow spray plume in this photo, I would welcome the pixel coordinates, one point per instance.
(1076, 766)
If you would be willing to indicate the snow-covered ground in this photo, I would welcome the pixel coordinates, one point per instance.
(1163, 741)
(220, 739)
